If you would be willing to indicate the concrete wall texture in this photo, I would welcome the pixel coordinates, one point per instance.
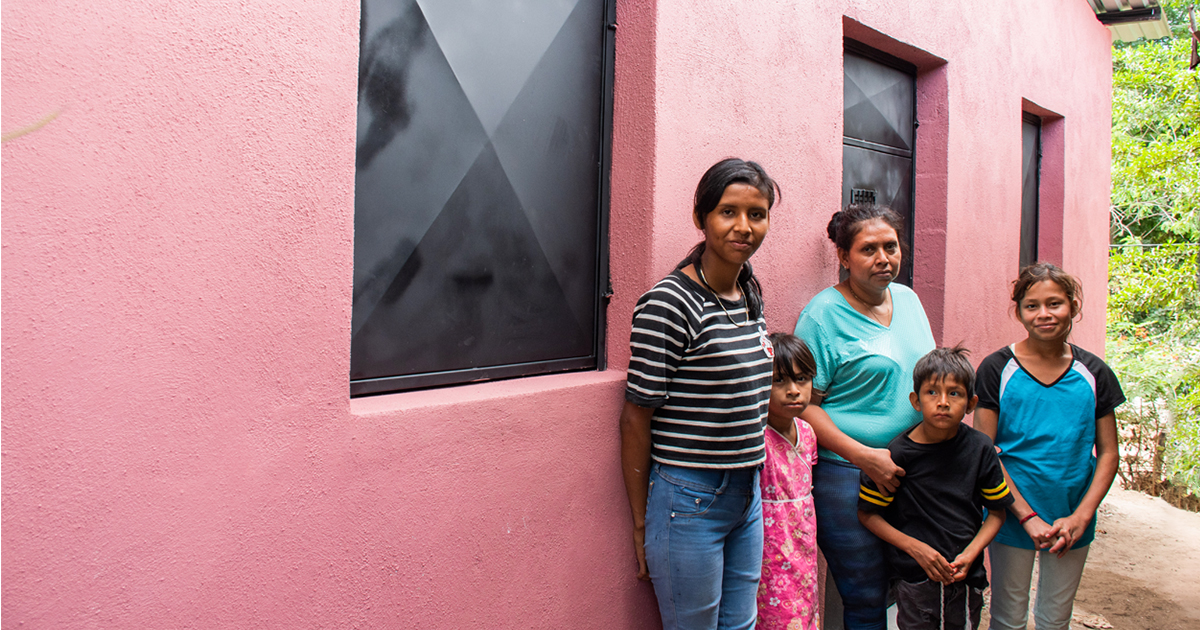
(179, 448)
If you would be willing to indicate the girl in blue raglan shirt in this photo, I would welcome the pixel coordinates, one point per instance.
(1046, 403)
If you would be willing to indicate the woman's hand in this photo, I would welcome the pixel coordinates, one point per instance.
(1070, 530)
(639, 549)
(1041, 532)
(878, 464)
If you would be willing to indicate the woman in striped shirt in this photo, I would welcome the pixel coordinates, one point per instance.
(699, 383)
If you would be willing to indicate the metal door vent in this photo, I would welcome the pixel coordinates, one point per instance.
(862, 195)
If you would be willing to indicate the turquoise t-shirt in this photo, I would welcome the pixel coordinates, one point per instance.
(865, 368)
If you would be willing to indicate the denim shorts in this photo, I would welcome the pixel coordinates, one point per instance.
(704, 545)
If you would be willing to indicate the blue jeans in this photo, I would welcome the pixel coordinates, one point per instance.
(704, 545)
(855, 556)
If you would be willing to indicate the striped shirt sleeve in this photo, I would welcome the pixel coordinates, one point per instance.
(992, 487)
(870, 499)
(662, 331)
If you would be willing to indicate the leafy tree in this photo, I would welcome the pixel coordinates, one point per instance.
(1154, 347)
(1156, 138)
(1154, 280)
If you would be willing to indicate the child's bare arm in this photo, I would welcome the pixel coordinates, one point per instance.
(987, 531)
(934, 564)
(1071, 527)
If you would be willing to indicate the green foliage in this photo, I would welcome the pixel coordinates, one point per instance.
(1156, 138)
(1184, 445)
(1154, 298)
(1152, 292)
(1154, 347)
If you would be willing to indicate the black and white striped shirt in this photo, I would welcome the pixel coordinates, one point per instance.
(708, 380)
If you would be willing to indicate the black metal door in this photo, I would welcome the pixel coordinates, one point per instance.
(879, 136)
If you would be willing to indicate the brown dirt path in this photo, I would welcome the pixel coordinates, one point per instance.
(1143, 572)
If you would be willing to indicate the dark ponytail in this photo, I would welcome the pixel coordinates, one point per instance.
(708, 194)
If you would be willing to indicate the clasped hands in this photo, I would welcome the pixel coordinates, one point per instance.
(935, 566)
(1057, 537)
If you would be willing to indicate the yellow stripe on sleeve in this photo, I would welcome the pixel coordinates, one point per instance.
(1002, 486)
(870, 499)
(874, 493)
(997, 496)
(999, 492)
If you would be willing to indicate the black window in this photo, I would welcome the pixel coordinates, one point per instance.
(480, 191)
(879, 135)
(1031, 159)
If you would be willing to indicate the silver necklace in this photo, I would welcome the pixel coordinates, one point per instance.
(720, 302)
(870, 307)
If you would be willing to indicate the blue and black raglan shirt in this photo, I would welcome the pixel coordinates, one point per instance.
(707, 379)
(1046, 432)
(941, 497)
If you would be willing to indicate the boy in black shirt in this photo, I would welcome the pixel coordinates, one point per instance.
(934, 522)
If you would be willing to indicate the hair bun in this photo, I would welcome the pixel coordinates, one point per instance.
(835, 223)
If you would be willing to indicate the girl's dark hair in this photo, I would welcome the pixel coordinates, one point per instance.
(943, 362)
(709, 191)
(1040, 271)
(844, 225)
(791, 351)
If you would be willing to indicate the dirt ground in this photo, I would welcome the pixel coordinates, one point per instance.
(1143, 572)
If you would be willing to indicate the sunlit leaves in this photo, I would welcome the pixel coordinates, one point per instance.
(1156, 140)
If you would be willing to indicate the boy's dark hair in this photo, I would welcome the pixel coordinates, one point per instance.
(790, 351)
(943, 362)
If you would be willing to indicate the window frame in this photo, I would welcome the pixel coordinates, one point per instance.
(597, 359)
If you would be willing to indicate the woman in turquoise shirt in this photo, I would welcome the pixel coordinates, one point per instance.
(866, 334)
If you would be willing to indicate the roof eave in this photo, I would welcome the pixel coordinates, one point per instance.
(1131, 20)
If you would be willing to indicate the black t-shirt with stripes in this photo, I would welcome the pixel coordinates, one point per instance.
(707, 379)
(941, 497)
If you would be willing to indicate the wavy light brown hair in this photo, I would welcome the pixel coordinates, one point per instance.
(1042, 271)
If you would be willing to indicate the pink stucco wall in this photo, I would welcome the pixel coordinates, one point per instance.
(178, 446)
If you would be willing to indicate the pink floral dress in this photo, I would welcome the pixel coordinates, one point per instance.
(787, 594)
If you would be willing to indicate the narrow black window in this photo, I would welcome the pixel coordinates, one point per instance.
(879, 135)
(480, 190)
(1031, 160)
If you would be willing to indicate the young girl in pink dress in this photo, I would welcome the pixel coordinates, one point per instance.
(787, 593)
